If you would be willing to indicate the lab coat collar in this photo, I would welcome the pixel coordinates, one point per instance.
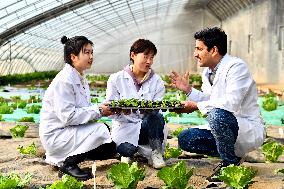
(74, 73)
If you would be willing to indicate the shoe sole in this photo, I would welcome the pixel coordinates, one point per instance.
(60, 174)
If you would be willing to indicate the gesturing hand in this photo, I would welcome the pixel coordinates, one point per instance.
(180, 82)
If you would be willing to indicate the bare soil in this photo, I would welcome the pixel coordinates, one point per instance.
(12, 161)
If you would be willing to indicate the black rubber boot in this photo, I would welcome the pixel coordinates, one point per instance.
(71, 168)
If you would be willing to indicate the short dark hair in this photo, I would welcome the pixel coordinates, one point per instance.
(143, 46)
(213, 37)
(73, 46)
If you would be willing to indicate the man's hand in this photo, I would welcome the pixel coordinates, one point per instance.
(189, 107)
(180, 82)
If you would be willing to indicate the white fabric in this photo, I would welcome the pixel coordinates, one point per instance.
(233, 90)
(126, 128)
(66, 110)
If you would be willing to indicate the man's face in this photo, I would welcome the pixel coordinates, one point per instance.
(203, 56)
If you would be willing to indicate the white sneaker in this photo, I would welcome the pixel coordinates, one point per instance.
(125, 160)
(157, 160)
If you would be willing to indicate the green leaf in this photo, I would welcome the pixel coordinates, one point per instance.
(238, 177)
(272, 151)
(124, 176)
(177, 176)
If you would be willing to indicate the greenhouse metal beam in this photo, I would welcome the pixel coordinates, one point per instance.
(41, 18)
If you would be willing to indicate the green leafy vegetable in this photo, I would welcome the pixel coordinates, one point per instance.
(280, 171)
(124, 176)
(172, 152)
(272, 151)
(5, 109)
(26, 119)
(31, 149)
(269, 103)
(14, 181)
(238, 177)
(19, 130)
(33, 109)
(177, 132)
(176, 176)
(66, 182)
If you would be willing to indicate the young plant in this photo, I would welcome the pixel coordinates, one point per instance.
(172, 152)
(177, 132)
(19, 131)
(272, 151)
(26, 119)
(14, 181)
(19, 104)
(280, 171)
(125, 177)
(66, 181)
(33, 109)
(237, 177)
(1, 118)
(5, 109)
(31, 149)
(269, 103)
(176, 176)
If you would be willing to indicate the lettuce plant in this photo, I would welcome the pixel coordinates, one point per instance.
(5, 109)
(19, 130)
(237, 177)
(66, 181)
(177, 132)
(272, 151)
(269, 104)
(26, 119)
(125, 177)
(31, 149)
(33, 109)
(1, 118)
(14, 181)
(280, 171)
(176, 176)
(172, 152)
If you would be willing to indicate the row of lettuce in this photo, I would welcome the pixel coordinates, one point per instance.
(127, 176)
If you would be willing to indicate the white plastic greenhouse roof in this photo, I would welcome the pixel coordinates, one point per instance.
(30, 30)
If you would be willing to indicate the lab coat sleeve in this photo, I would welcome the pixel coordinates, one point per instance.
(238, 82)
(197, 96)
(160, 91)
(65, 106)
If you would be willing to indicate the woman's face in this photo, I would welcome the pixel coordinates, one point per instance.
(142, 62)
(84, 60)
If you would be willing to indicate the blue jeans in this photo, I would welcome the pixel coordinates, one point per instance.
(220, 141)
(151, 133)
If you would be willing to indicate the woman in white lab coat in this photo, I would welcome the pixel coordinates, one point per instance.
(67, 129)
(228, 98)
(146, 132)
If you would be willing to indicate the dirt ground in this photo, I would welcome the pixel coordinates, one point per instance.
(43, 174)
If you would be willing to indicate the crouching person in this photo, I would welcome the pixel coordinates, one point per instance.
(67, 129)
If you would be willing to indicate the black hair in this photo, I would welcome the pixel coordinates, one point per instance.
(143, 46)
(73, 46)
(213, 37)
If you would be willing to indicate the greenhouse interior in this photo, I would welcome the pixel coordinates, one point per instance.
(36, 82)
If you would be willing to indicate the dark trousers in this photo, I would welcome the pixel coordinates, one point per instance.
(152, 133)
(104, 151)
(220, 141)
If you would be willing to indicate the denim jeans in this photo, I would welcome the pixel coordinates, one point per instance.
(220, 141)
(151, 133)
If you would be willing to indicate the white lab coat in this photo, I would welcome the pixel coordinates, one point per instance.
(233, 90)
(66, 110)
(126, 128)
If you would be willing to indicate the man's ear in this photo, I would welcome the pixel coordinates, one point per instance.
(214, 51)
